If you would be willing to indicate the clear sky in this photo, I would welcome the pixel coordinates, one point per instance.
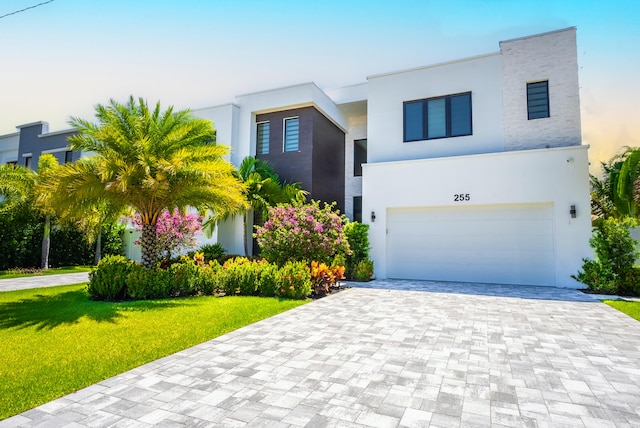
(60, 59)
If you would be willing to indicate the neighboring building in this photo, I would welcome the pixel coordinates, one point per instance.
(470, 170)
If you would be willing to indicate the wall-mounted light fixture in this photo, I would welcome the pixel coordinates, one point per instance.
(373, 216)
(572, 211)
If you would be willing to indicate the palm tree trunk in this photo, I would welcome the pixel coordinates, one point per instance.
(46, 242)
(244, 233)
(98, 254)
(148, 243)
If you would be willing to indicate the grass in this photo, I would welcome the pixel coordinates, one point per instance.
(55, 340)
(630, 308)
(15, 273)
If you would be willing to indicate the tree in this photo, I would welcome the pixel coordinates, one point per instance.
(625, 183)
(20, 185)
(151, 161)
(174, 232)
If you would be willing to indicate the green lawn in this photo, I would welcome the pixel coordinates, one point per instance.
(630, 308)
(8, 274)
(55, 340)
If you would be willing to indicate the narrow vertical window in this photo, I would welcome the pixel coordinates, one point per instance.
(460, 115)
(538, 100)
(357, 209)
(27, 161)
(291, 134)
(68, 156)
(262, 138)
(414, 121)
(359, 156)
(436, 118)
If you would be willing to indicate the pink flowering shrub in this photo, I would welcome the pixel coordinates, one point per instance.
(303, 232)
(174, 232)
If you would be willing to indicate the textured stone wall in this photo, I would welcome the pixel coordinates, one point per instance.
(553, 57)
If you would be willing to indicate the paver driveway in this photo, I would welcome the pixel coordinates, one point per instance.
(447, 356)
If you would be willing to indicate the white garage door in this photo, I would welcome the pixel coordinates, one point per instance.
(506, 244)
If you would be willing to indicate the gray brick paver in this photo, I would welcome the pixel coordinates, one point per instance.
(450, 355)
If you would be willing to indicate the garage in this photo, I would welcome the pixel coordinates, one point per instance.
(507, 244)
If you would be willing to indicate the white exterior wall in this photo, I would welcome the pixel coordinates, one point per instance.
(9, 147)
(353, 185)
(556, 176)
(482, 76)
(553, 57)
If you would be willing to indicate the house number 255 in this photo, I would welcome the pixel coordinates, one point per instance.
(461, 197)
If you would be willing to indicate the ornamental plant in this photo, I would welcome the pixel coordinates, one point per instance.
(302, 233)
(324, 277)
(174, 232)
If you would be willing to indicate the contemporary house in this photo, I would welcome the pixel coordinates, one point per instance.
(469, 170)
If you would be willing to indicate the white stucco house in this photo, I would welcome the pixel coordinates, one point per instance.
(469, 170)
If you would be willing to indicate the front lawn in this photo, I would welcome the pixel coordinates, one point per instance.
(55, 340)
(630, 308)
(18, 273)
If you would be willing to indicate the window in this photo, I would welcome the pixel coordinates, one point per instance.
(441, 117)
(262, 138)
(357, 209)
(538, 100)
(68, 156)
(291, 134)
(27, 161)
(359, 156)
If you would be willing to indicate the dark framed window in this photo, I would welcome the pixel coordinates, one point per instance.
(440, 117)
(357, 209)
(291, 134)
(27, 161)
(538, 100)
(359, 156)
(68, 156)
(262, 138)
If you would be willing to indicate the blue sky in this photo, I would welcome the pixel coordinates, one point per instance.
(62, 58)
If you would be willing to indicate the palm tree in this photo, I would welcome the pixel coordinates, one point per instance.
(20, 185)
(151, 161)
(625, 182)
(263, 190)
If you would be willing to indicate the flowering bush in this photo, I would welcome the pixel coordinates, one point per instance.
(174, 232)
(303, 232)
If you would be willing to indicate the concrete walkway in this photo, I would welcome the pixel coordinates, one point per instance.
(448, 355)
(43, 281)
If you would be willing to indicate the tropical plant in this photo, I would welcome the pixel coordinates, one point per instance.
(151, 161)
(20, 185)
(264, 190)
(302, 232)
(625, 183)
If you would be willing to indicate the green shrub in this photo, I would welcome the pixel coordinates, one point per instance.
(363, 271)
(108, 280)
(612, 272)
(148, 283)
(238, 276)
(267, 282)
(184, 278)
(294, 280)
(213, 252)
(358, 237)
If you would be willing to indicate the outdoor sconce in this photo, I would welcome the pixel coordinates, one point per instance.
(373, 216)
(572, 211)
